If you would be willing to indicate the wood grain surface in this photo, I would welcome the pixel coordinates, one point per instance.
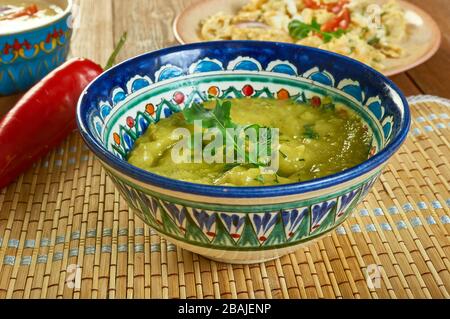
(149, 25)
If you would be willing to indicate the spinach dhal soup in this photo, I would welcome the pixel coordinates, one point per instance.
(315, 139)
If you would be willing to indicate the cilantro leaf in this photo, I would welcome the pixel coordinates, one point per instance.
(300, 30)
(220, 118)
(373, 41)
(309, 132)
(264, 138)
(260, 179)
(230, 166)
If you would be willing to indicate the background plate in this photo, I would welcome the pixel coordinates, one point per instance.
(423, 41)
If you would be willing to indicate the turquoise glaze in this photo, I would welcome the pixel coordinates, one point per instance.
(28, 56)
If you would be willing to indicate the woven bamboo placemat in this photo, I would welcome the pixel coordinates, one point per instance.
(66, 233)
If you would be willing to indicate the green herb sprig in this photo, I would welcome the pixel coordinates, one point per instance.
(300, 30)
(220, 118)
(309, 132)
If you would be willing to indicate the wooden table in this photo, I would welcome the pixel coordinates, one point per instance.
(149, 26)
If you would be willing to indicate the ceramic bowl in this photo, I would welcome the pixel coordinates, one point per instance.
(29, 54)
(237, 224)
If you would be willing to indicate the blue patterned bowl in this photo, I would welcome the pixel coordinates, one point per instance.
(29, 54)
(231, 224)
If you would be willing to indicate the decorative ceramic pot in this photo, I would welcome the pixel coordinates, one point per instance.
(29, 54)
(237, 224)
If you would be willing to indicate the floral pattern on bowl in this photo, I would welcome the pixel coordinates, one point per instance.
(28, 56)
(148, 113)
(249, 224)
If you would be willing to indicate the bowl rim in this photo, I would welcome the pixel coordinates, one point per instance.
(38, 26)
(243, 191)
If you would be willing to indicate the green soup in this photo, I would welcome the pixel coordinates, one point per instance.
(314, 141)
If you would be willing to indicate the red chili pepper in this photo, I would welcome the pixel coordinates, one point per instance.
(44, 116)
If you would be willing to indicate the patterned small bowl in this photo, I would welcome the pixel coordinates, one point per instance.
(237, 224)
(29, 54)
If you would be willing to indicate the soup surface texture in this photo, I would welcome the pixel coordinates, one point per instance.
(314, 141)
(16, 15)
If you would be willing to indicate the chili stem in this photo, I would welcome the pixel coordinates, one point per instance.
(113, 57)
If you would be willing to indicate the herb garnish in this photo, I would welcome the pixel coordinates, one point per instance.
(276, 179)
(229, 166)
(309, 132)
(220, 118)
(260, 179)
(300, 30)
(374, 41)
(327, 104)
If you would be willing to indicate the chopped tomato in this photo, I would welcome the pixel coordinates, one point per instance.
(336, 7)
(331, 25)
(345, 19)
(342, 21)
(346, 14)
(311, 4)
(28, 11)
